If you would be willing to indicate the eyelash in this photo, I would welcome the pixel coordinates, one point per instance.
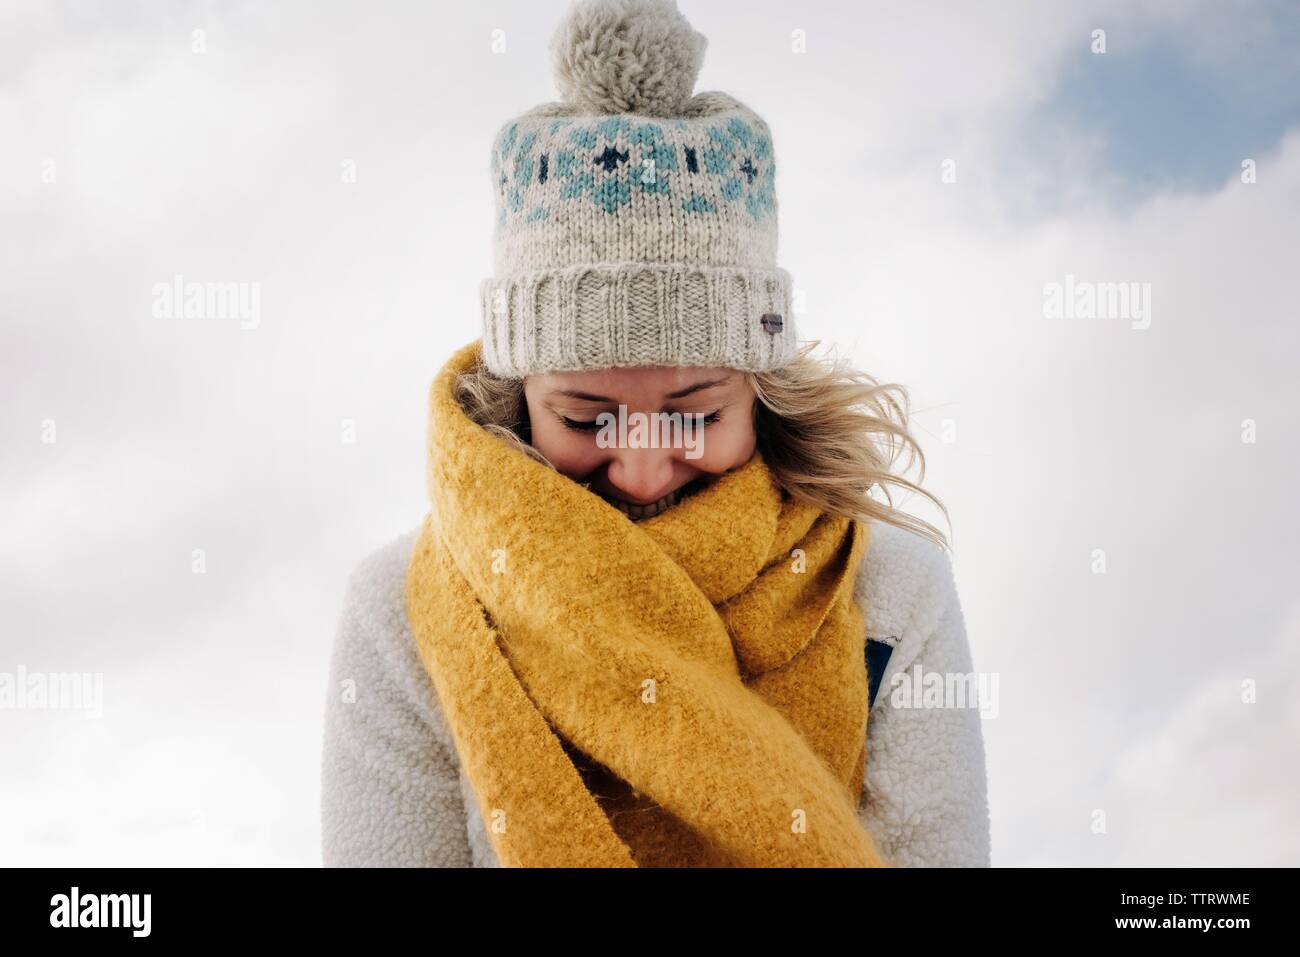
(594, 424)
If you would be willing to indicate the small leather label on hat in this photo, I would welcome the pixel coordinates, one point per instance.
(772, 322)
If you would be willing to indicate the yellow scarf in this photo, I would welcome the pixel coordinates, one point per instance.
(687, 690)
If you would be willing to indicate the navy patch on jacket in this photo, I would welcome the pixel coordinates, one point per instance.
(878, 652)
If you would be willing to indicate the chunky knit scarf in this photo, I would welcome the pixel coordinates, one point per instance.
(688, 690)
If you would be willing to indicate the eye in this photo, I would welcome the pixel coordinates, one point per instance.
(595, 425)
(579, 425)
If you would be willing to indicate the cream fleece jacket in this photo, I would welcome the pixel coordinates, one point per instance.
(393, 793)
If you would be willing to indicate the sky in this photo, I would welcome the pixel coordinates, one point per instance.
(938, 166)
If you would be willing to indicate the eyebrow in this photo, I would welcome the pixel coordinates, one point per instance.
(679, 394)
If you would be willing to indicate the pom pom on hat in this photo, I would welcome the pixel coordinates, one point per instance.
(627, 56)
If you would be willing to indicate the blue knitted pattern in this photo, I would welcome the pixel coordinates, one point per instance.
(604, 162)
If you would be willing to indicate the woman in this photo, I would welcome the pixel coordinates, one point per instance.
(646, 619)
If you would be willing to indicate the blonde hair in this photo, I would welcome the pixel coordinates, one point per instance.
(829, 432)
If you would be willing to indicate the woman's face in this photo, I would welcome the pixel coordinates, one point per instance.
(716, 431)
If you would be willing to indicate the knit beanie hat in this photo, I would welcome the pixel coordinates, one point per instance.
(635, 222)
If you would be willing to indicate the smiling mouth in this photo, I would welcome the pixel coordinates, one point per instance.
(637, 512)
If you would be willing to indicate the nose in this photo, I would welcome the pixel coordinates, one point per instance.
(642, 475)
